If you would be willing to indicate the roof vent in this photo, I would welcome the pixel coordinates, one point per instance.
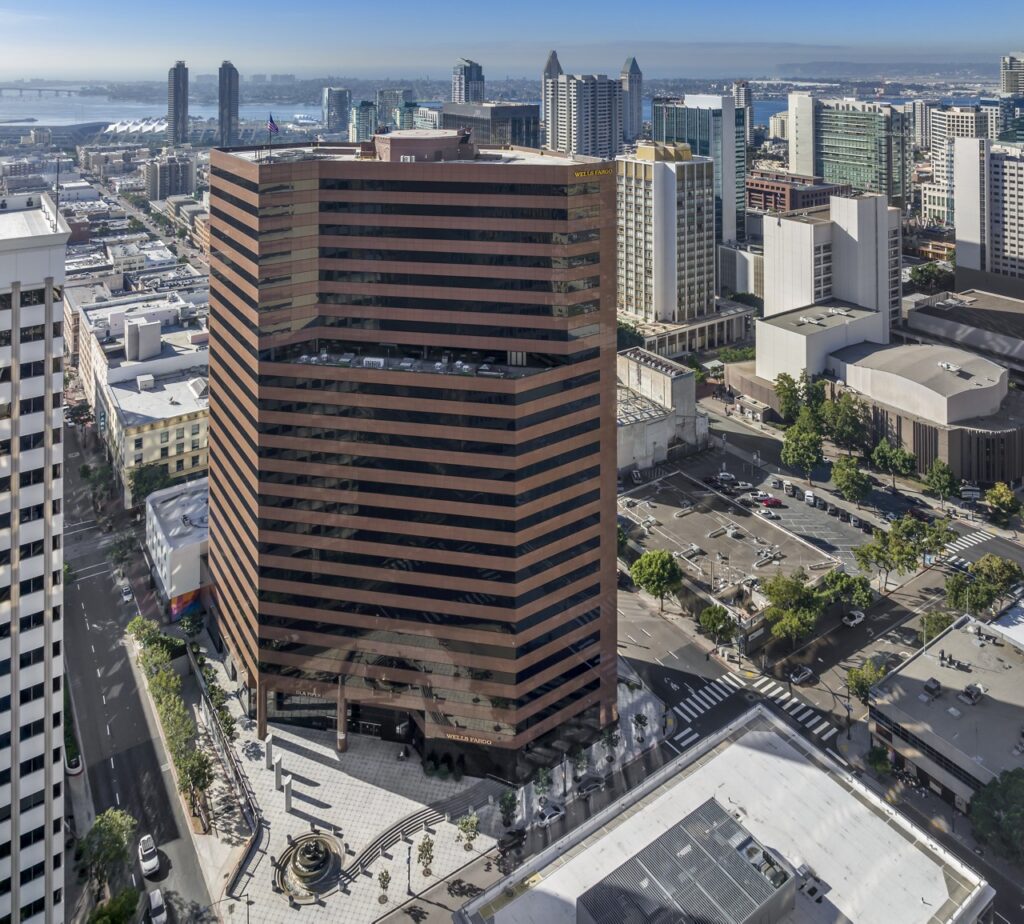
(932, 687)
(949, 367)
(971, 694)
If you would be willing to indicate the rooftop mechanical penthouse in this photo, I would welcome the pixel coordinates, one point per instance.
(412, 441)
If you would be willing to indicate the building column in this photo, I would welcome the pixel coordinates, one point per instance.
(342, 718)
(261, 711)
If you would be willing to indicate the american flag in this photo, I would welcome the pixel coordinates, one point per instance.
(271, 124)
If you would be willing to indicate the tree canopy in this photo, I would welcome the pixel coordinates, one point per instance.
(658, 573)
(997, 814)
(893, 460)
(145, 479)
(793, 608)
(860, 680)
(853, 483)
(788, 395)
(801, 447)
(846, 421)
(716, 622)
(1003, 502)
(106, 847)
(940, 480)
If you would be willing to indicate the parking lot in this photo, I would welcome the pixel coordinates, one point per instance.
(716, 541)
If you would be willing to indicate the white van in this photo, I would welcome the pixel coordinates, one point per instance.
(809, 498)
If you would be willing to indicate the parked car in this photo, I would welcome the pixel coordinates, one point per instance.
(759, 495)
(809, 498)
(820, 503)
(844, 515)
(126, 592)
(890, 516)
(747, 502)
(625, 581)
(711, 479)
(512, 840)
(726, 477)
(743, 486)
(157, 908)
(769, 514)
(854, 520)
(549, 814)
(853, 618)
(833, 510)
(800, 674)
(776, 482)
(149, 858)
(770, 501)
(589, 785)
(866, 527)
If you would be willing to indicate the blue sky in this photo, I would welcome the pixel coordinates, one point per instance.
(402, 38)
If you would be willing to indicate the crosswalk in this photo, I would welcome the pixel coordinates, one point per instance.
(797, 710)
(699, 702)
(962, 545)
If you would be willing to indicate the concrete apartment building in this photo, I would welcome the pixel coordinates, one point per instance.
(778, 191)
(362, 121)
(989, 196)
(1011, 74)
(516, 124)
(778, 126)
(177, 539)
(945, 124)
(863, 144)
(582, 112)
(32, 241)
(713, 127)
(468, 84)
(177, 105)
(412, 465)
(169, 174)
(952, 714)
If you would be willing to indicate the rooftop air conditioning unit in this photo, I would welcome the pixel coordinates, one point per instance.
(949, 367)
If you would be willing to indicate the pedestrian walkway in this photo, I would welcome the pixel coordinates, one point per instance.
(700, 701)
(795, 709)
(962, 545)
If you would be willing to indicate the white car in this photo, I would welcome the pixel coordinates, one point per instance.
(768, 514)
(853, 618)
(758, 495)
(550, 814)
(157, 908)
(126, 592)
(743, 486)
(149, 858)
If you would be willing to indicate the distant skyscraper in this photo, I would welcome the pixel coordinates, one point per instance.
(865, 144)
(713, 127)
(632, 80)
(495, 123)
(989, 195)
(1011, 74)
(467, 82)
(177, 104)
(744, 100)
(945, 124)
(920, 120)
(552, 70)
(32, 249)
(362, 122)
(227, 105)
(583, 112)
(388, 101)
(336, 103)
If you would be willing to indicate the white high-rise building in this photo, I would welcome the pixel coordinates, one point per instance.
(945, 124)
(778, 126)
(665, 208)
(632, 80)
(1011, 74)
(32, 247)
(920, 118)
(989, 195)
(582, 112)
(744, 99)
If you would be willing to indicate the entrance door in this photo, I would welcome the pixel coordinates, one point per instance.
(369, 728)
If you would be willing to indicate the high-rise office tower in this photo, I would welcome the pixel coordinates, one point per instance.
(336, 103)
(412, 455)
(227, 105)
(713, 127)
(989, 196)
(632, 80)
(864, 144)
(467, 82)
(582, 112)
(552, 70)
(362, 122)
(388, 101)
(1011, 74)
(177, 104)
(32, 243)
(744, 100)
(495, 123)
(945, 124)
(665, 208)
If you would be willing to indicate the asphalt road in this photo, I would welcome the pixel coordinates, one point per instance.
(124, 758)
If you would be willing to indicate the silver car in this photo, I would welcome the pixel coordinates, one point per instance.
(149, 858)
(549, 814)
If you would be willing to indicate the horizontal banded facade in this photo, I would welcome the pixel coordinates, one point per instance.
(412, 442)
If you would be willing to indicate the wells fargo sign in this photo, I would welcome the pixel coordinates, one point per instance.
(604, 171)
(451, 736)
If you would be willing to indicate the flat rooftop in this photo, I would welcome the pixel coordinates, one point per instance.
(983, 310)
(632, 407)
(656, 362)
(867, 862)
(983, 735)
(920, 363)
(182, 512)
(26, 223)
(812, 318)
(170, 396)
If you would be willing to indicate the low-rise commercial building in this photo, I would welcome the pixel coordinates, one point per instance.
(952, 714)
(177, 539)
(779, 191)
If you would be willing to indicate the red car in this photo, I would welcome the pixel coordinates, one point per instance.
(771, 502)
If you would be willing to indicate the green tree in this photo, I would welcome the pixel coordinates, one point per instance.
(878, 760)
(788, 395)
(118, 910)
(542, 781)
(145, 479)
(627, 335)
(860, 680)
(384, 880)
(852, 483)
(79, 414)
(425, 853)
(931, 278)
(793, 608)
(874, 556)
(469, 828)
(165, 685)
(507, 806)
(106, 847)
(192, 623)
(179, 728)
(998, 574)
(123, 547)
(610, 738)
(933, 624)
(997, 814)
(716, 622)
(801, 447)
(1003, 502)
(941, 481)
(812, 394)
(846, 421)
(839, 586)
(893, 460)
(965, 596)
(736, 354)
(144, 631)
(621, 537)
(791, 624)
(154, 659)
(195, 776)
(658, 573)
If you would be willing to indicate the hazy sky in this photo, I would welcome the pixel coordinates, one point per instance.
(401, 38)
